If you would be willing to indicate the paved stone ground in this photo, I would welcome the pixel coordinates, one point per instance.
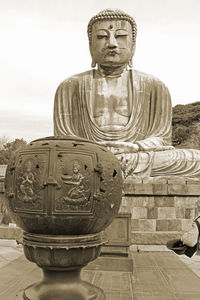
(157, 274)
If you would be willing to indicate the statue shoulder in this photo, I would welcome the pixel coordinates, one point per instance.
(149, 79)
(75, 79)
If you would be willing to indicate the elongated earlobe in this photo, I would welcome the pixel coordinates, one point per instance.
(130, 63)
(93, 64)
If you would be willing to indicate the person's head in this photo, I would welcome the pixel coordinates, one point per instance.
(112, 38)
(76, 167)
(28, 166)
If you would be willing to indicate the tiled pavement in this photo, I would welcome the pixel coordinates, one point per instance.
(157, 275)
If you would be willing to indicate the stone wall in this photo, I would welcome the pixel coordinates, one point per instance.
(160, 210)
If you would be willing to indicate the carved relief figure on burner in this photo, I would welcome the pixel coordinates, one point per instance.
(77, 183)
(26, 186)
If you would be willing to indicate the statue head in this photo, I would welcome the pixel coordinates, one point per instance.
(112, 38)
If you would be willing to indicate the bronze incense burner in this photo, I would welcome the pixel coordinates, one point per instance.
(63, 192)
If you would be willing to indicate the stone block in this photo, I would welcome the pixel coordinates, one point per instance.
(184, 189)
(139, 213)
(151, 248)
(186, 224)
(160, 189)
(193, 189)
(154, 180)
(133, 180)
(136, 201)
(154, 238)
(135, 225)
(130, 202)
(10, 233)
(166, 213)
(193, 181)
(162, 225)
(174, 225)
(138, 189)
(186, 202)
(147, 225)
(141, 201)
(164, 201)
(177, 189)
(152, 213)
(148, 201)
(180, 212)
(189, 213)
(176, 180)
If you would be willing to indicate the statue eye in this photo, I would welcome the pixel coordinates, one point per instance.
(121, 33)
(118, 35)
(101, 36)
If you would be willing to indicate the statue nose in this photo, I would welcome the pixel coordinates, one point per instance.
(112, 43)
(112, 46)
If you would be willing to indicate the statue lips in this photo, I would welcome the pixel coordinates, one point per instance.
(112, 52)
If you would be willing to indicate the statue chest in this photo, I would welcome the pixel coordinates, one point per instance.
(111, 101)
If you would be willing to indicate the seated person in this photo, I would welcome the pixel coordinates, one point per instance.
(126, 110)
(190, 238)
(189, 242)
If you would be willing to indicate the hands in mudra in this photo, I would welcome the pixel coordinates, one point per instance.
(128, 147)
(120, 147)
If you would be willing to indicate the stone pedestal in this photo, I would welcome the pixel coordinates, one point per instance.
(118, 235)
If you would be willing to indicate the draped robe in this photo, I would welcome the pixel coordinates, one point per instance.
(149, 125)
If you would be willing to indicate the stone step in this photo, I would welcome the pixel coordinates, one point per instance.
(153, 238)
(10, 233)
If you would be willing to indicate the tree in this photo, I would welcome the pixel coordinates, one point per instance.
(3, 141)
(9, 149)
(185, 125)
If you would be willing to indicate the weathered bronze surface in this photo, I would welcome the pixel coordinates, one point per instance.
(63, 191)
(61, 259)
(64, 186)
(124, 109)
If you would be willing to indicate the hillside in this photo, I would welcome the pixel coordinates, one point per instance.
(186, 126)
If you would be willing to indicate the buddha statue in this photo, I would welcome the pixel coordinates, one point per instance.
(123, 109)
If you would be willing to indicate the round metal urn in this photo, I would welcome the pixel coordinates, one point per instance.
(63, 191)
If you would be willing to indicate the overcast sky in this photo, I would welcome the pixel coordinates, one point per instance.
(45, 41)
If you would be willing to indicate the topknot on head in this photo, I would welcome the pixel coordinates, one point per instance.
(112, 14)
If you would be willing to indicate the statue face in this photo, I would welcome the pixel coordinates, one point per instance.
(112, 43)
